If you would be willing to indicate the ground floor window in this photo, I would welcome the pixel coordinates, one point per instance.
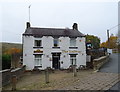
(38, 60)
(73, 59)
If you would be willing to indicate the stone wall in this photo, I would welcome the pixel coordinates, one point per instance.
(98, 63)
(8, 73)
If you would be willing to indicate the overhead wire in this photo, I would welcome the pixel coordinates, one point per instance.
(114, 27)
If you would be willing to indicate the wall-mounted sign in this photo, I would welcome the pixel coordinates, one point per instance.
(38, 51)
(74, 51)
(64, 51)
(71, 51)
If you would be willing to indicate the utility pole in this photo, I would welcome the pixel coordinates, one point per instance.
(108, 30)
(108, 39)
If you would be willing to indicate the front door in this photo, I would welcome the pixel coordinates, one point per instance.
(56, 63)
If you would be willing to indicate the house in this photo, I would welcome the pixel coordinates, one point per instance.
(53, 47)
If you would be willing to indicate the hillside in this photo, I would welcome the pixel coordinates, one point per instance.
(5, 46)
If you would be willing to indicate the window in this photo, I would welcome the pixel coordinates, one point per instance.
(73, 59)
(38, 43)
(38, 60)
(56, 42)
(73, 42)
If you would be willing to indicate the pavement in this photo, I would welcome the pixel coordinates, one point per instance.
(108, 78)
(95, 81)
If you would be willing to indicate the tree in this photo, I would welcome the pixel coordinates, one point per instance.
(15, 54)
(104, 44)
(13, 51)
(112, 42)
(94, 40)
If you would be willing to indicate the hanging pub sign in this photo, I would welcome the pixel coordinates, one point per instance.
(38, 51)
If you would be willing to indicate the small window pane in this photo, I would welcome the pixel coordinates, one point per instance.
(37, 42)
(38, 60)
(55, 42)
(38, 56)
(72, 42)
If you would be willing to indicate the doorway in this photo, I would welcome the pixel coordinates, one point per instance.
(56, 60)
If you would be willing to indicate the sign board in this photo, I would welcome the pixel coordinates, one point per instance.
(71, 51)
(38, 51)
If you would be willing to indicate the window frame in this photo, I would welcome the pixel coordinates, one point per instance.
(72, 43)
(73, 60)
(38, 60)
(36, 44)
(57, 40)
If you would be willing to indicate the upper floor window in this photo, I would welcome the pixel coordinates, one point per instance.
(56, 42)
(73, 42)
(38, 43)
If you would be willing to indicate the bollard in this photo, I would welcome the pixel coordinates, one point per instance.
(95, 66)
(14, 81)
(74, 71)
(46, 75)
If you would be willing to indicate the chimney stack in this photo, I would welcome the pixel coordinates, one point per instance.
(75, 26)
(27, 24)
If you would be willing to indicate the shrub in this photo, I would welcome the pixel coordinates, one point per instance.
(6, 61)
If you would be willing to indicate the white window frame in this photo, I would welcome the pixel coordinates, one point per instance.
(38, 60)
(72, 42)
(39, 39)
(37, 45)
(73, 60)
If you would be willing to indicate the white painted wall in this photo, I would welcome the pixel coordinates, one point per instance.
(47, 43)
(81, 58)
(28, 52)
(64, 45)
(47, 47)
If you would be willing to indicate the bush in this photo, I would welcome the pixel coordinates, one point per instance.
(6, 61)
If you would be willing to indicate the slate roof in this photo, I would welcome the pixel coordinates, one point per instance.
(55, 32)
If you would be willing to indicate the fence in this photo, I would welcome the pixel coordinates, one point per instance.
(7, 74)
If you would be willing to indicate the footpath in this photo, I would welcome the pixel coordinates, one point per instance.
(85, 80)
(95, 81)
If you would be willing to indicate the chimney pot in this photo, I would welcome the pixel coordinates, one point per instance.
(75, 26)
(28, 24)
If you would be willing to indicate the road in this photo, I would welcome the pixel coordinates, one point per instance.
(112, 67)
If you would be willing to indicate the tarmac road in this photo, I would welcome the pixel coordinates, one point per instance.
(112, 67)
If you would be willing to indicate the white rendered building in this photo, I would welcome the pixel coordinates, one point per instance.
(53, 47)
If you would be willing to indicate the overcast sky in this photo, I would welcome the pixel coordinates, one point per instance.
(93, 17)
